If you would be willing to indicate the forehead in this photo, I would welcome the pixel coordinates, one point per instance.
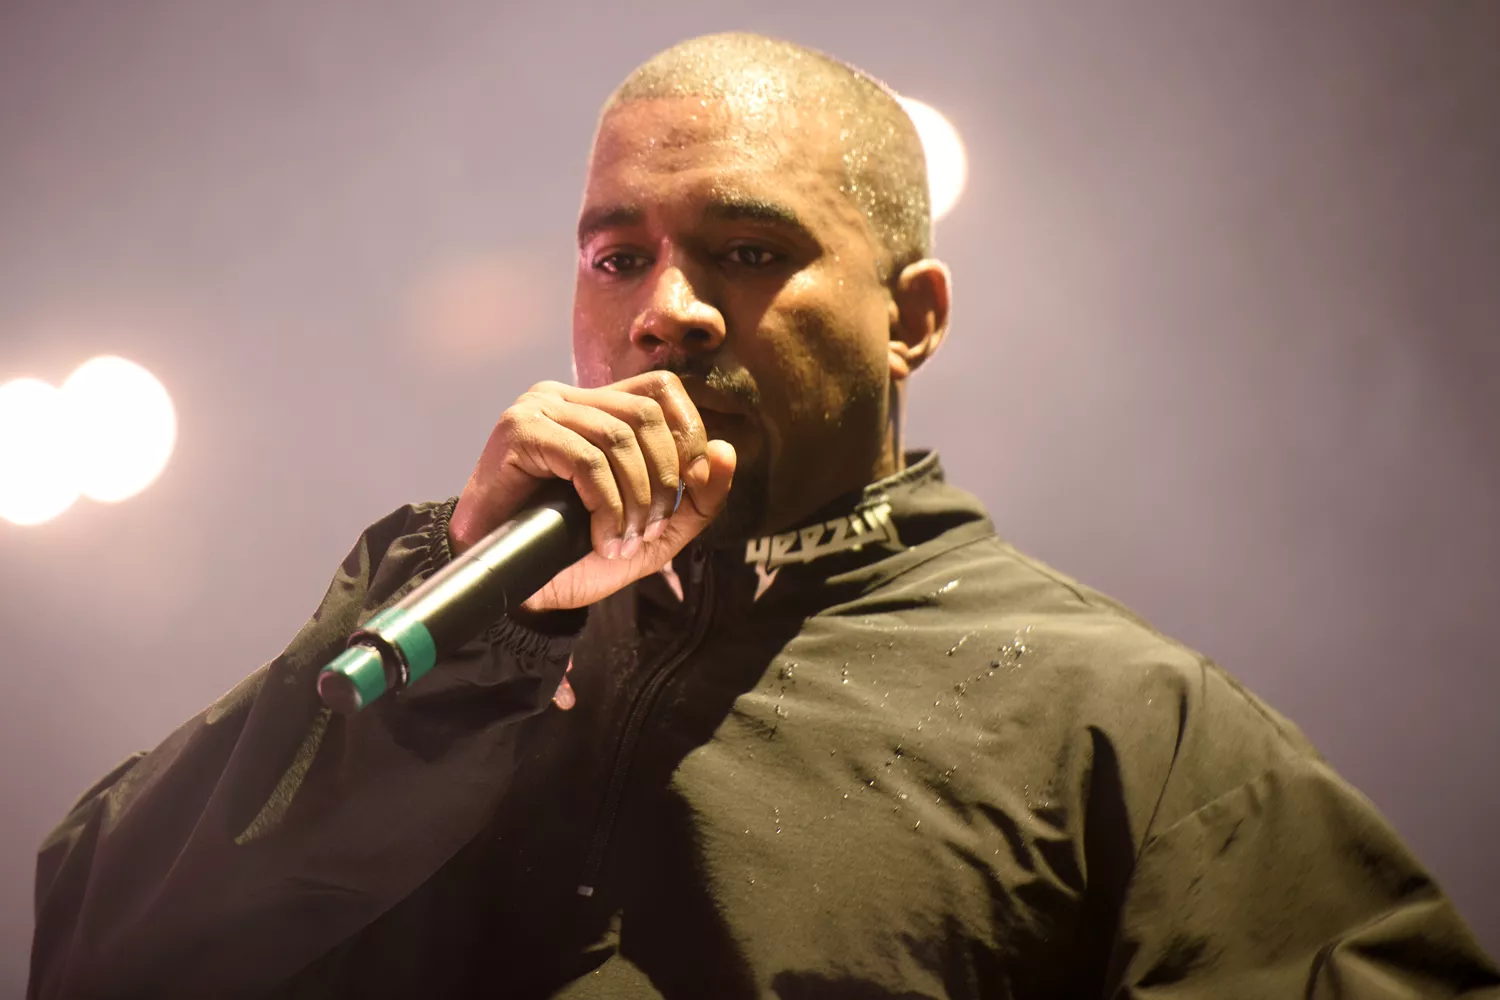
(661, 149)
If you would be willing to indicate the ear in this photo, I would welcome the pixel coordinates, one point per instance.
(920, 299)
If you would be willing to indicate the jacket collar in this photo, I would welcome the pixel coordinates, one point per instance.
(850, 546)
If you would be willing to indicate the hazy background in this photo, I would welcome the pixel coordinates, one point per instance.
(1227, 335)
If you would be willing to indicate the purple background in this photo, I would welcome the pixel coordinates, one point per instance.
(1227, 335)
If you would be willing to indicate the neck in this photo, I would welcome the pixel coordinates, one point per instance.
(752, 521)
(892, 453)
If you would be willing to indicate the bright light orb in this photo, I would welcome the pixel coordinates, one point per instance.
(36, 461)
(124, 428)
(947, 163)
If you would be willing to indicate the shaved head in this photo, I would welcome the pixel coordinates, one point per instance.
(884, 168)
(755, 219)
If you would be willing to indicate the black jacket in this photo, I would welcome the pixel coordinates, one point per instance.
(883, 756)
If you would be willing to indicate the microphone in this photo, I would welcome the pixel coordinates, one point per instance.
(402, 642)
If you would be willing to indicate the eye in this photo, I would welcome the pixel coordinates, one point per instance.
(621, 262)
(750, 255)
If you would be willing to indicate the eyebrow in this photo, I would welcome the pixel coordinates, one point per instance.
(740, 209)
(729, 209)
(596, 220)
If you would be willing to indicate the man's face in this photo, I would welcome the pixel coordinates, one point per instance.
(716, 241)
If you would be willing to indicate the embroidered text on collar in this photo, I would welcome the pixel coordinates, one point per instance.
(870, 526)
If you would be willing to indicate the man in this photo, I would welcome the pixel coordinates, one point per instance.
(824, 734)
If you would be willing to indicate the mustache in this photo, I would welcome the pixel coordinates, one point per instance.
(734, 382)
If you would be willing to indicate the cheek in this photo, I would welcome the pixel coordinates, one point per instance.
(590, 368)
(831, 362)
(846, 341)
(590, 373)
(593, 360)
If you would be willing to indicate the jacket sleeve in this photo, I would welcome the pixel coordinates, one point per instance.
(1291, 885)
(266, 830)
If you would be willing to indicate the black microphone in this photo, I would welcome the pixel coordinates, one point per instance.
(402, 642)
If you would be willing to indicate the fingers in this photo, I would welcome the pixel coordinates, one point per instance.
(547, 438)
(626, 449)
(595, 577)
(669, 442)
(682, 418)
(622, 509)
(701, 504)
(654, 428)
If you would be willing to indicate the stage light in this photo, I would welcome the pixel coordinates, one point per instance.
(106, 434)
(36, 474)
(947, 163)
(124, 428)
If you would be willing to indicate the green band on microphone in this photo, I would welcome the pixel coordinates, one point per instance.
(406, 632)
(365, 671)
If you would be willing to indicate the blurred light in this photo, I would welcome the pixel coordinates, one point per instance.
(947, 163)
(36, 481)
(124, 428)
(106, 434)
(482, 310)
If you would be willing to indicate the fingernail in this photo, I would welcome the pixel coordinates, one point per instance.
(612, 549)
(654, 529)
(697, 473)
(631, 547)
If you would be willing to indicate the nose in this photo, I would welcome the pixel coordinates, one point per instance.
(676, 317)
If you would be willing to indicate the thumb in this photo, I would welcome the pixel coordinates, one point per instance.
(701, 504)
(594, 576)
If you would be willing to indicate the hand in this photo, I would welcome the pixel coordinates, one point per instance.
(624, 448)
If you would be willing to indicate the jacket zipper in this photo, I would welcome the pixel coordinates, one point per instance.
(635, 723)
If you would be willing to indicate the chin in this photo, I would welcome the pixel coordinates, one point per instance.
(744, 513)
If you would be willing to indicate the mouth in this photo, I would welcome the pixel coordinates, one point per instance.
(731, 427)
(714, 405)
(726, 416)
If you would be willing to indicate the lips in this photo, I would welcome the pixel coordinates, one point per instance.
(726, 416)
(711, 401)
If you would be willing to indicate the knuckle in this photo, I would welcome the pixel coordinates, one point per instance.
(513, 420)
(547, 387)
(595, 464)
(529, 404)
(691, 435)
(664, 382)
(618, 437)
(648, 414)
